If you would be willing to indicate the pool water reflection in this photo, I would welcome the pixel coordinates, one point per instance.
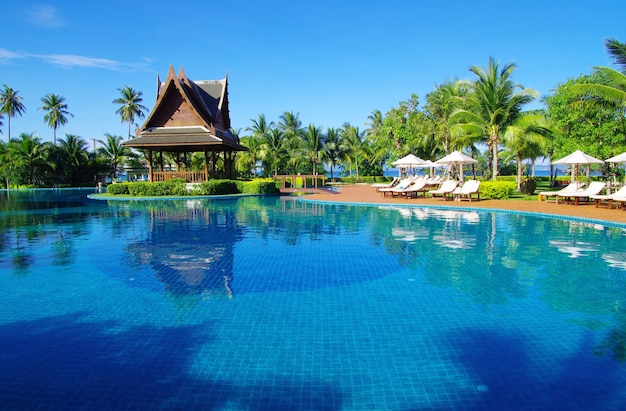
(277, 303)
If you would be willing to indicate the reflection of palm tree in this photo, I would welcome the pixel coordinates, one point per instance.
(615, 342)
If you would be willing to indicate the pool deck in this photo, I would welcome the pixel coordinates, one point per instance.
(364, 193)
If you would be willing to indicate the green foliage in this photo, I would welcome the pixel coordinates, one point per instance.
(173, 187)
(497, 190)
(218, 187)
(118, 188)
(258, 186)
(528, 186)
(367, 179)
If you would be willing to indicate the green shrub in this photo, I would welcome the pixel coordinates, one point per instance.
(218, 187)
(258, 186)
(118, 188)
(173, 187)
(497, 190)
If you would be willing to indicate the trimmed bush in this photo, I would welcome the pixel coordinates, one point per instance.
(497, 190)
(218, 187)
(118, 188)
(528, 186)
(258, 186)
(173, 187)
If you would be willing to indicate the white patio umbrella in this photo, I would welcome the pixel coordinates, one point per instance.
(576, 158)
(408, 161)
(620, 158)
(457, 158)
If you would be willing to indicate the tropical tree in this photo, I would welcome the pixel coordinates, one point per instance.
(248, 159)
(526, 138)
(56, 112)
(440, 105)
(11, 105)
(313, 140)
(353, 145)
(332, 149)
(493, 103)
(273, 149)
(74, 156)
(27, 156)
(130, 106)
(113, 150)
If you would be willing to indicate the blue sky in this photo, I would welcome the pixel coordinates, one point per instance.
(330, 61)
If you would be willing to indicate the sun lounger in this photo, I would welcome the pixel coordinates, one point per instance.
(445, 190)
(599, 198)
(594, 189)
(470, 188)
(413, 190)
(391, 184)
(570, 188)
(621, 200)
(404, 183)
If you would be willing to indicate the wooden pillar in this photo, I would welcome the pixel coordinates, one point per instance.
(161, 160)
(150, 165)
(206, 165)
(213, 161)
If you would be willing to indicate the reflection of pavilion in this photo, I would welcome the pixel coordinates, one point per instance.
(191, 250)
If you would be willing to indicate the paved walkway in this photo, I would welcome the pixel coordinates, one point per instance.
(364, 193)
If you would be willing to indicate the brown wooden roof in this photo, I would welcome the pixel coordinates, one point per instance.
(188, 116)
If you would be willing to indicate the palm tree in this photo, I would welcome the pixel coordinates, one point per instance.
(74, 150)
(332, 148)
(11, 105)
(290, 124)
(249, 158)
(56, 112)
(130, 106)
(614, 91)
(493, 104)
(113, 150)
(352, 145)
(27, 156)
(273, 149)
(526, 137)
(313, 145)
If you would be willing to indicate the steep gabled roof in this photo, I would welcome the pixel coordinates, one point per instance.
(187, 113)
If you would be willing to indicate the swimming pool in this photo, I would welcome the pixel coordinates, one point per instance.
(280, 304)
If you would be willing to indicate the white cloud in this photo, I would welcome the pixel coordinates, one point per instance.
(46, 16)
(72, 60)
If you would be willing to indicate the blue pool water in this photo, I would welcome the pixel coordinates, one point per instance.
(283, 304)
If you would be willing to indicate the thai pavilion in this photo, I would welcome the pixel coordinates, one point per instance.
(188, 117)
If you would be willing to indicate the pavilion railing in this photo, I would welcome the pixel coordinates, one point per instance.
(189, 176)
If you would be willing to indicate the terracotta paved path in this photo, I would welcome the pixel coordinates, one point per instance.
(366, 194)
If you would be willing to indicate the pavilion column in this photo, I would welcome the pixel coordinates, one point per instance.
(150, 165)
(206, 165)
(213, 163)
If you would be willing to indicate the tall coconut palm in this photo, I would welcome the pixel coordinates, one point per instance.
(130, 106)
(11, 105)
(56, 112)
(493, 103)
(112, 150)
(290, 124)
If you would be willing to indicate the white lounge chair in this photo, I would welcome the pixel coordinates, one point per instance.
(570, 188)
(390, 184)
(469, 189)
(445, 190)
(404, 183)
(594, 189)
(413, 190)
(599, 198)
